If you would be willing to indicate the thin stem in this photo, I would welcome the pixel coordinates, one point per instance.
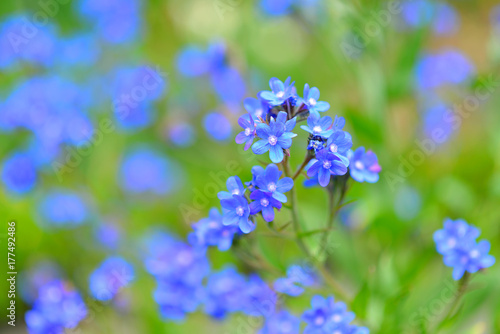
(462, 288)
(307, 158)
(293, 204)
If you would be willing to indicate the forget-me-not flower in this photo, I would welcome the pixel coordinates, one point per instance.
(325, 165)
(364, 166)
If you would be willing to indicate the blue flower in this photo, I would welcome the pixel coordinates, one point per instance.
(19, 173)
(269, 182)
(258, 108)
(326, 315)
(63, 209)
(281, 322)
(319, 126)
(31, 280)
(217, 126)
(275, 137)
(236, 212)
(364, 166)
(311, 97)
(211, 232)
(57, 308)
(192, 61)
(225, 293)
(78, 50)
(325, 165)
(234, 187)
(248, 134)
(181, 134)
(297, 278)
(110, 277)
(229, 85)
(457, 243)
(276, 7)
(109, 235)
(280, 91)
(256, 171)
(176, 298)
(339, 144)
(265, 203)
(260, 299)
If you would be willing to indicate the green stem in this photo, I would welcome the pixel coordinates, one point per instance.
(462, 288)
(304, 164)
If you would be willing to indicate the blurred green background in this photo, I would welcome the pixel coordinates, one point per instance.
(385, 257)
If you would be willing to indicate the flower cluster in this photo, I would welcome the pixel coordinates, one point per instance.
(110, 277)
(297, 278)
(457, 243)
(58, 307)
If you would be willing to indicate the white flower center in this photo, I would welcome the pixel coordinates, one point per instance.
(213, 224)
(271, 187)
(248, 132)
(359, 165)
(452, 242)
(319, 321)
(474, 254)
(334, 148)
(337, 318)
(312, 102)
(273, 140)
(327, 164)
(184, 258)
(240, 211)
(280, 94)
(258, 112)
(264, 202)
(317, 129)
(235, 192)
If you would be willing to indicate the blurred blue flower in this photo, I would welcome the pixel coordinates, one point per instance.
(57, 308)
(109, 235)
(276, 7)
(297, 278)
(110, 277)
(258, 108)
(440, 16)
(325, 165)
(279, 93)
(229, 85)
(260, 299)
(116, 21)
(63, 209)
(234, 187)
(446, 19)
(225, 293)
(181, 134)
(32, 279)
(275, 137)
(176, 298)
(78, 50)
(249, 132)
(436, 120)
(457, 243)
(19, 173)
(281, 322)
(144, 170)
(314, 106)
(339, 143)
(364, 166)
(269, 182)
(236, 213)
(193, 61)
(217, 126)
(211, 232)
(319, 126)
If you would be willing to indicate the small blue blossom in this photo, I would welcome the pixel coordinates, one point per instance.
(110, 277)
(225, 293)
(339, 144)
(260, 299)
(258, 108)
(256, 171)
(229, 85)
(364, 166)
(281, 322)
(181, 134)
(234, 187)
(311, 97)
(236, 213)
(217, 126)
(319, 126)
(276, 7)
(325, 165)
(176, 298)
(265, 203)
(19, 173)
(269, 182)
(249, 131)
(109, 235)
(275, 137)
(327, 316)
(211, 232)
(280, 91)
(78, 50)
(297, 278)
(457, 243)
(63, 209)
(31, 280)
(57, 308)
(193, 61)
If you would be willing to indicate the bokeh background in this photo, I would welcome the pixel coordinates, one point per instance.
(394, 70)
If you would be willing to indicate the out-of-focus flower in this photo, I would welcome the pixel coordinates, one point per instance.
(457, 243)
(314, 106)
(225, 293)
(276, 7)
(260, 299)
(63, 209)
(364, 166)
(116, 21)
(281, 322)
(109, 235)
(297, 278)
(57, 308)
(275, 137)
(78, 50)
(229, 85)
(256, 107)
(110, 277)
(325, 165)
(181, 134)
(211, 232)
(441, 17)
(217, 126)
(32, 279)
(19, 173)
(144, 170)
(176, 298)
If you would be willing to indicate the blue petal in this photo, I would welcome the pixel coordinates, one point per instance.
(324, 177)
(246, 225)
(268, 214)
(276, 154)
(279, 196)
(263, 130)
(261, 147)
(284, 185)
